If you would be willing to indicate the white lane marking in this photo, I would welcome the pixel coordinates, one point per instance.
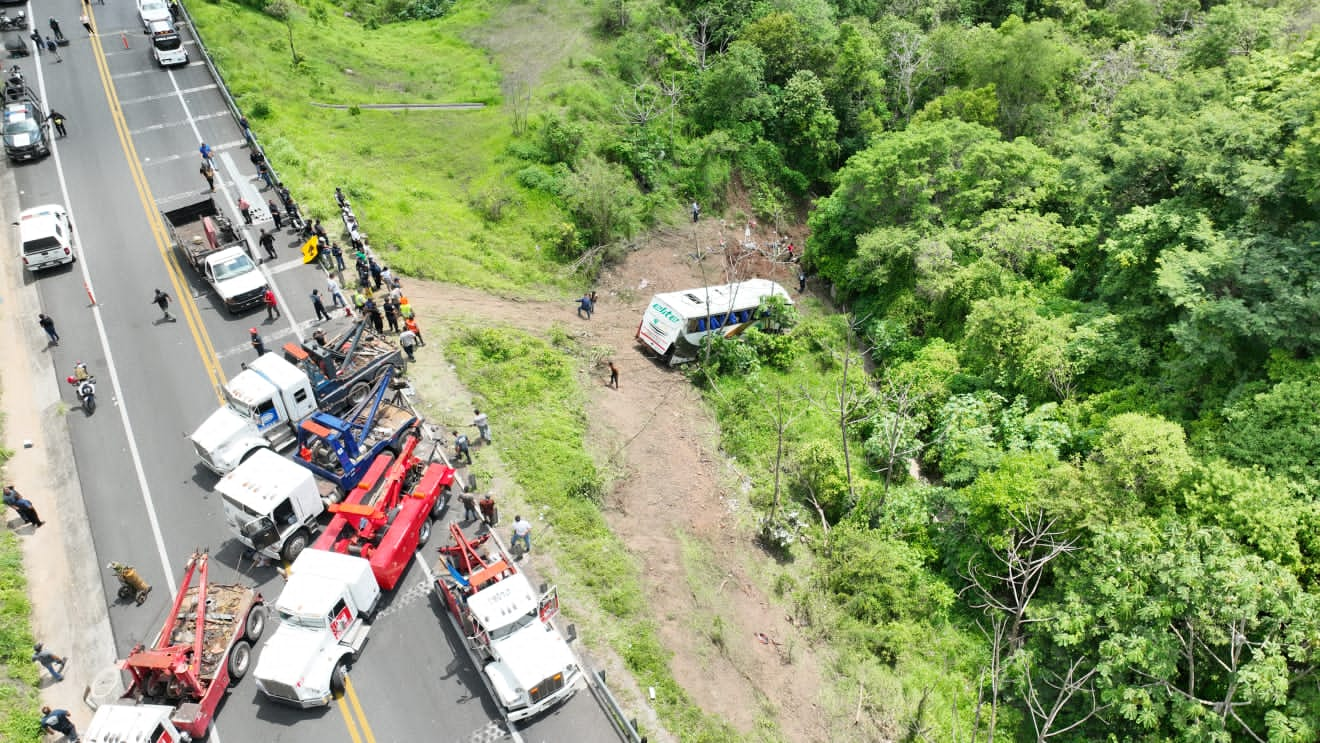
(272, 341)
(162, 96)
(166, 124)
(149, 161)
(156, 533)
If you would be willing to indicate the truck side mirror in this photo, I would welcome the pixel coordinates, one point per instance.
(544, 587)
(572, 632)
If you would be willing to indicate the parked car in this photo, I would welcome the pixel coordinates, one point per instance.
(151, 11)
(25, 131)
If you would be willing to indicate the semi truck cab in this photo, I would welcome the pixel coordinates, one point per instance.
(265, 403)
(272, 505)
(324, 615)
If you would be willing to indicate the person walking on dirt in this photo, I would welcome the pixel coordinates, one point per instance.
(208, 173)
(162, 300)
(411, 324)
(57, 721)
(338, 254)
(392, 314)
(23, 506)
(585, 305)
(462, 449)
(408, 342)
(48, 325)
(57, 120)
(48, 661)
(55, 29)
(696, 212)
(614, 376)
(258, 345)
(522, 532)
(319, 306)
(482, 422)
(802, 280)
(272, 306)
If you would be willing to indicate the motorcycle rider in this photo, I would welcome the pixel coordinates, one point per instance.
(80, 372)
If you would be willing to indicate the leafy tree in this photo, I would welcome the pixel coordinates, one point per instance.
(807, 128)
(1276, 429)
(1142, 461)
(603, 199)
(732, 94)
(1031, 65)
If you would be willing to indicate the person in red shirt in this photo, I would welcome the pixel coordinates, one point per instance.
(272, 307)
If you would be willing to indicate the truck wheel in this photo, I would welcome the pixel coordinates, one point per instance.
(240, 658)
(423, 533)
(357, 393)
(256, 623)
(294, 547)
(337, 679)
(438, 510)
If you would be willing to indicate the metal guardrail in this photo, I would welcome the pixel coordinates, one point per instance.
(625, 726)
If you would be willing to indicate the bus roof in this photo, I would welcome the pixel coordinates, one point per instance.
(690, 303)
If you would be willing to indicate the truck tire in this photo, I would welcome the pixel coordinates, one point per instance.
(296, 544)
(240, 660)
(337, 678)
(438, 510)
(357, 393)
(255, 624)
(423, 533)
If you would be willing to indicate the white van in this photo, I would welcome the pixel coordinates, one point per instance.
(47, 236)
(675, 322)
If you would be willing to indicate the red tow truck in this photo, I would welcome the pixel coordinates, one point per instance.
(177, 683)
(335, 585)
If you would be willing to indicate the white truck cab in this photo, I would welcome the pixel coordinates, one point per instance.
(272, 504)
(118, 722)
(531, 666)
(46, 235)
(166, 44)
(324, 613)
(266, 402)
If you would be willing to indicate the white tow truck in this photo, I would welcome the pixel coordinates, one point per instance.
(272, 505)
(507, 627)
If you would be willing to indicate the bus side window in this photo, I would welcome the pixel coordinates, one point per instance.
(744, 316)
(715, 323)
(697, 326)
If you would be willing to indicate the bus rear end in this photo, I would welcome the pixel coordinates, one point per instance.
(660, 327)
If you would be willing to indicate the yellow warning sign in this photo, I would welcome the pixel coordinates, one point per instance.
(311, 249)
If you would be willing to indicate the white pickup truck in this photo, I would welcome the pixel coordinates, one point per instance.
(214, 248)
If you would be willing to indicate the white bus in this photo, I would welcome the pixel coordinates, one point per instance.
(675, 322)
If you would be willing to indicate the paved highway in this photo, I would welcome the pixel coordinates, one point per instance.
(132, 149)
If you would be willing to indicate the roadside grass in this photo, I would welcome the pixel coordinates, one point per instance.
(19, 701)
(435, 189)
(534, 389)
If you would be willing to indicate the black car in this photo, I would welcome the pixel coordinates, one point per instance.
(25, 131)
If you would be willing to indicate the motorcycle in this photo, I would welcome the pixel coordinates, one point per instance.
(86, 389)
(14, 23)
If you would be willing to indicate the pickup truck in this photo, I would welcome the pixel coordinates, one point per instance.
(214, 248)
(268, 401)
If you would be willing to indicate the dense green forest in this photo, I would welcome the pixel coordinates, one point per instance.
(1078, 242)
(1054, 473)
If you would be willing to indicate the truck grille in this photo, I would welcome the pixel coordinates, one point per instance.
(247, 299)
(546, 688)
(280, 691)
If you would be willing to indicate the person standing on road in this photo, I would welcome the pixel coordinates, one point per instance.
(522, 532)
(243, 124)
(482, 422)
(49, 660)
(336, 293)
(258, 345)
(263, 170)
(48, 325)
(275, 214)
(87, 24)
(319, 306)
(57, 721)
(490, 513)
(57, 119)
(374, 268)
(462, 449)
(267, 242)
(36, 37)
(208, 173)
(338, 254)
(162, 300)
(408, 341)
(392, 314)
(23, 506)
(55, 29)
(53, 48)
(205, 150)
(272, 306)
(245, 209)
(469, 502)
(614, 376)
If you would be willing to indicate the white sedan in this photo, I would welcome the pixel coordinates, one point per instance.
(153, 10)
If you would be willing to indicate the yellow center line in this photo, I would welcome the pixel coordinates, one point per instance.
(361, 718)
(182, 292)
(348, 717)
(354, 717)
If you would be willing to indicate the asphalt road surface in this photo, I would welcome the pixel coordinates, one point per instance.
(132, 150)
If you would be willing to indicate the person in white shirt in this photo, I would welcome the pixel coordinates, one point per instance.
(482, 423)
(522, 532)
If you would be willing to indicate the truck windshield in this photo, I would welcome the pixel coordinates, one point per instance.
(236, 266)
(167, 42)
(301, 620)
(525, 620)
